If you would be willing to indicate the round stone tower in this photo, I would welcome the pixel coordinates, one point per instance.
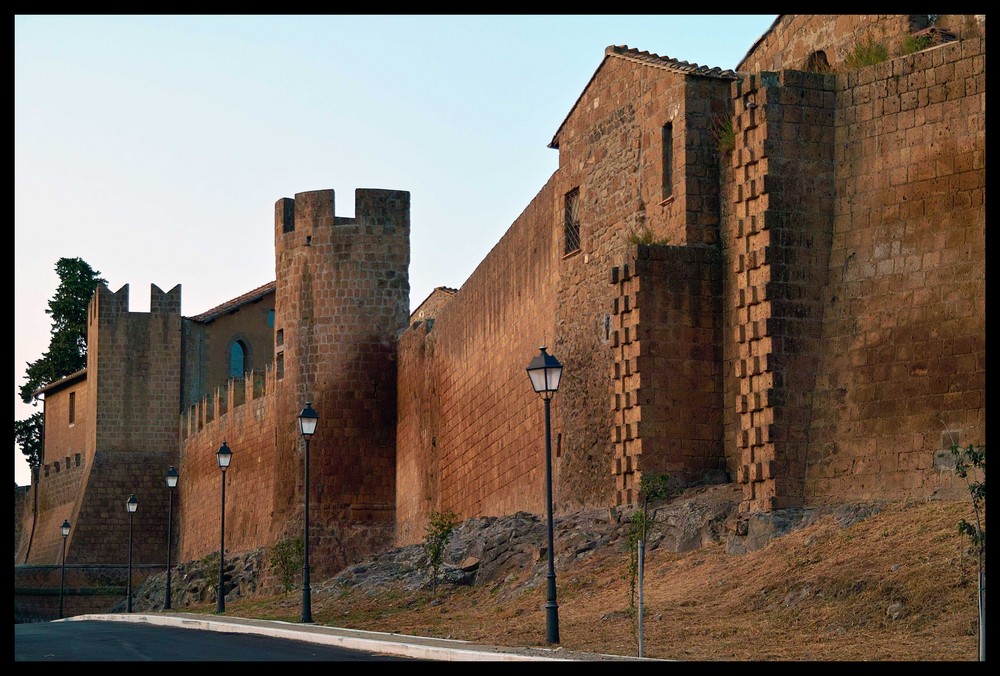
(341, 301)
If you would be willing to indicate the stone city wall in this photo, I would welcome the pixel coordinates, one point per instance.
(902, 372)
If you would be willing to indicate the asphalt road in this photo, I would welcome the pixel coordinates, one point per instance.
(96, 641)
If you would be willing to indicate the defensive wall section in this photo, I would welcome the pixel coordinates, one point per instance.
(470, 428)
(901, 374)
(93, 463)
(799, 308)
(776, 246)
(827, 344)
(666, 378)
(127, 441)
(639, 143)
(855, 246)
(241, 413)
(21, 505)
(341, 300)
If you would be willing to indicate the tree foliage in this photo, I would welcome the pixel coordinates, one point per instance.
(67, 351)
(28, 435)
(436, 536)
(653, 487)
(285, 559)
(973, 460)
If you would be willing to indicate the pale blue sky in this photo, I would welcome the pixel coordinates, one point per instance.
(154, 147)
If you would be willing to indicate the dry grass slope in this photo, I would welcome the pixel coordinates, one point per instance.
(899, 585)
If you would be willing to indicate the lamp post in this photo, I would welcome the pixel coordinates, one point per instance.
(131, 505)
(307, 427)
(62, 575)
(172, 476)
(545, 372)
(224, 456)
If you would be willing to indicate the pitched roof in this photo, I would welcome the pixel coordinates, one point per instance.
(235, 304)
(57, 385)
(648, 59)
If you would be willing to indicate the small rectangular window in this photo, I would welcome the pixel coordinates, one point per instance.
(572, 221)
(72, 407)
(668, 160)
(279, 337)
(279, 365)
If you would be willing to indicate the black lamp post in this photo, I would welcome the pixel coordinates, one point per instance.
(131, 504)
(172, 476)
(307, 427)
(62, 575)
(545, 372)
(225, 456)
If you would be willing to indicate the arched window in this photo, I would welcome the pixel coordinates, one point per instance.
(817, 63)
(237, 359)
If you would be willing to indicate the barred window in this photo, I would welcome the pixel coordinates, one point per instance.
(572, 222)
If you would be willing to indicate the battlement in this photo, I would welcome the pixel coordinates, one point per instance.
(164, 302)
(225, 399)
(315, 209)
(109, 304)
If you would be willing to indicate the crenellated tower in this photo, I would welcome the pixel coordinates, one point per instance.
(342, 300)
(134, 358)
(133, 383)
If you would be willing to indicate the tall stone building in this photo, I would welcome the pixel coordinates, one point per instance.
(772, 275)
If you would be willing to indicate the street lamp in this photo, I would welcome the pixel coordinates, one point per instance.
(131, 505)
(224, 456)
(545, 372)
(172, 476)
(62, 575)
(307, 427)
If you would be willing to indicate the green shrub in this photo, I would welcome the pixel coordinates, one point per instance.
(652, 488)
(914, 43)
(972, 459)
(210, 565)
(866, 52)
(724, 133)
(285, 559)
(646, 236)
(436, 537)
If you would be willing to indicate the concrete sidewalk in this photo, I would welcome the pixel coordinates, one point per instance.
(416, 647)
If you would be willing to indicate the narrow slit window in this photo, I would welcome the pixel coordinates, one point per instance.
(572, 221)
(72, 407)
(668, 160)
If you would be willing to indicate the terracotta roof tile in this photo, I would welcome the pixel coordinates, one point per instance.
(668, 63)
(234, 304)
